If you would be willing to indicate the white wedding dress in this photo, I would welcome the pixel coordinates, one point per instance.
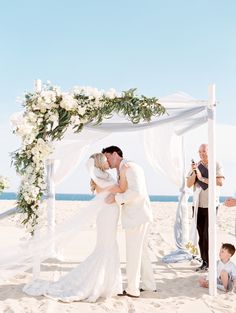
(98, 276)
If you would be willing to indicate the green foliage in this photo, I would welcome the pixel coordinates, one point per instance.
(48, 114)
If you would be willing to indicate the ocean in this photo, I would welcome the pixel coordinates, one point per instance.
(86, 197)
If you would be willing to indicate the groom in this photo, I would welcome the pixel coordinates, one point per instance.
(136, 215)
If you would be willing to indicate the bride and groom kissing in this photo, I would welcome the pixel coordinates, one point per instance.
(99, 275)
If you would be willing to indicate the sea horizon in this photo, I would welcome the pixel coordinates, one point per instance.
(87, 197)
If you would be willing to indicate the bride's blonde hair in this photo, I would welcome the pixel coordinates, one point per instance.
(99, 162)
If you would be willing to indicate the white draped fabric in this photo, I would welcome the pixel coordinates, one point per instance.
(69, 152)
(183, 113)
(23, 252)
(170, 161)
(163, 144)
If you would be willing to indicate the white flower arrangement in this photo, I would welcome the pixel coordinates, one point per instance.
(47, 116)
(4, 183)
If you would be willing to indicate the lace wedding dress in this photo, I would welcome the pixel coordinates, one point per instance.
(98, 276)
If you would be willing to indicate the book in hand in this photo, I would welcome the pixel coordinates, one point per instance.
(204, 172)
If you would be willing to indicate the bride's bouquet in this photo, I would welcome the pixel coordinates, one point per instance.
(4, 183)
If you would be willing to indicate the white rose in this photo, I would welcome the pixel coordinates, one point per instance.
(39, 120)
(111, 93)
(21, 124)
(98, 103)
(78, 89)
(54, 117)
(4, 183)
(75, 120)
(32, 117)
(95, 93)
(29, 138)
(81, 110)
(49, 97)
(24, 129)
(68, 102)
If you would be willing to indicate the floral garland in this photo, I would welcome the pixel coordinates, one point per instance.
(4, 183)
(47, 116)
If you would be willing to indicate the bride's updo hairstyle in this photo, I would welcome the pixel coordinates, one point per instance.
(100, 163)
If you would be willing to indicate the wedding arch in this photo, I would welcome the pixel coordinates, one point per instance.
(52, 120)
(49, 112)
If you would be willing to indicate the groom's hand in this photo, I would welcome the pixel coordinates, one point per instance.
(110, 198)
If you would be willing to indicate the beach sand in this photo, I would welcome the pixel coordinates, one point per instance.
(177, 283)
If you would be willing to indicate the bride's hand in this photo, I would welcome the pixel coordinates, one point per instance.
(114, 189)
(110, 198)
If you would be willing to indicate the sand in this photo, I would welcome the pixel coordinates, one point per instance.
(177, 283)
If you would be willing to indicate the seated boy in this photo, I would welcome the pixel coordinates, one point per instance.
(226, 270)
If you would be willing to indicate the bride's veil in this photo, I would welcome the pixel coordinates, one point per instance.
(20, 256)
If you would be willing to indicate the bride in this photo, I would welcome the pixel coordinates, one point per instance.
(99, 274)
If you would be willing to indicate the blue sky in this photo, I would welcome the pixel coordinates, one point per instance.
(158, 47)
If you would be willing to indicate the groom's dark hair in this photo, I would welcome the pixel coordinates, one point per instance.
(112, 149)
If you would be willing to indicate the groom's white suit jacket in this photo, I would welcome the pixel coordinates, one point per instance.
(136, 207)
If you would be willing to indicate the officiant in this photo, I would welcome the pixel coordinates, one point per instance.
(198, 178)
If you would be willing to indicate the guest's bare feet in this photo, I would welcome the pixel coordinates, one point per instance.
(203, 282)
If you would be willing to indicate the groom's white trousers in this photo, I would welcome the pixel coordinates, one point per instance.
(137, 260)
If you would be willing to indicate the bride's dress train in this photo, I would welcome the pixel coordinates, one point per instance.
(98, 275)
